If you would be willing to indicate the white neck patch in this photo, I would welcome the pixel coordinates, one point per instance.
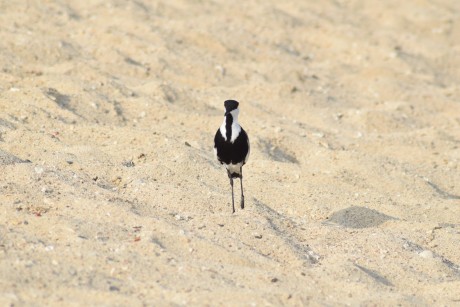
(236, 128)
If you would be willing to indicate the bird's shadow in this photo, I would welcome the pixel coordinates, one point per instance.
(277, 221)
(375, 275)
(358, 217)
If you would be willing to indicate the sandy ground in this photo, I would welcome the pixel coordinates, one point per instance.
(109, 191)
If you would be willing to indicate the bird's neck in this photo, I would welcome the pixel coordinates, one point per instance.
(230, 127)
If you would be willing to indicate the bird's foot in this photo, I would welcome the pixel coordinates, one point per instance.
(242, 202)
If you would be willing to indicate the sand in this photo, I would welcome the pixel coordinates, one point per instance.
(110, 194)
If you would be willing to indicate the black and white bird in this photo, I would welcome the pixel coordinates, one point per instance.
(231, 146)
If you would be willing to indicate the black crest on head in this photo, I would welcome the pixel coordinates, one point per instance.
(230, 105)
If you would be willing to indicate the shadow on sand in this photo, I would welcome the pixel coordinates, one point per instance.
(358, 217)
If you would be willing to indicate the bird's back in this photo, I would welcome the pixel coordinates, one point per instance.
(232, 153)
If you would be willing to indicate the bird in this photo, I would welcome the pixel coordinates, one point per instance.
(231, 146)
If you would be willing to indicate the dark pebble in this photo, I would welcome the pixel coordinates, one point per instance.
(114, 288)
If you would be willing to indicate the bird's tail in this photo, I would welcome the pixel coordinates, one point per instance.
(235, 175)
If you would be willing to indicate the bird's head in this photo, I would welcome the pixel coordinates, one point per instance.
(231, 106)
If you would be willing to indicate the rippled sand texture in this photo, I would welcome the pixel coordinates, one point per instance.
(110, 193)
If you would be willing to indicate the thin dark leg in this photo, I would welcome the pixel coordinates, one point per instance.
(231, 183)
(233, 200)
(242, 195)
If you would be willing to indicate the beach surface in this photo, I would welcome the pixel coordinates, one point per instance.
(110, 193)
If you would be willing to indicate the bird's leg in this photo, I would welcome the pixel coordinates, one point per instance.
(242, 195)
(233, 200)
(231, 183)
